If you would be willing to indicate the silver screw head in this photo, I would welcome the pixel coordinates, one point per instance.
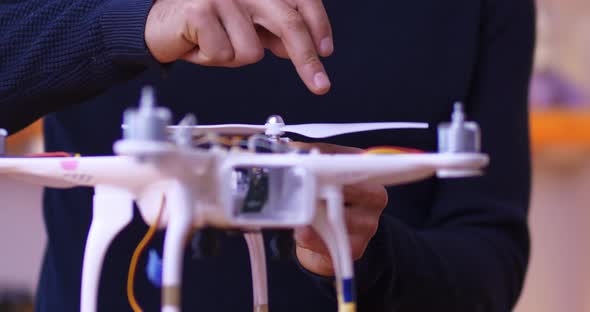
(274, 125)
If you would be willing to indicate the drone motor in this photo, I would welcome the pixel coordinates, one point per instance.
(148, 123)
(459, 136)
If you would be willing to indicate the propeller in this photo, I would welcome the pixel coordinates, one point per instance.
(319, 131)
(243, 129)
(275, 126)
(145, 123)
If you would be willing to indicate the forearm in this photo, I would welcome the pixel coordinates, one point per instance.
(478, 268)
(56, 53)
(475, 268)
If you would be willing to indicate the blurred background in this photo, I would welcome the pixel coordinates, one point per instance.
(559, 272)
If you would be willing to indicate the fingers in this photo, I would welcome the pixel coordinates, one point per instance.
(240, 29)
(225, 36)
(222, 33)
(360, 224)
(365, 205)
(373, 197)
(272, 42)
(307, 238)
(315, 17)
(205, 29)
(286, 22)
(164, 37)
(315, 262)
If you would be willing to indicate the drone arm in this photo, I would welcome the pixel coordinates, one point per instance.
(256, 250)
(113, 210)
(179, 226)
(390, 169)
(330, 225)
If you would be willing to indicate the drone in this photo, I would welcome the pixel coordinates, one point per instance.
(188, 177)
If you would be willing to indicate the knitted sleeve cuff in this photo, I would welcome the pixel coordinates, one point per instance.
(122, 27)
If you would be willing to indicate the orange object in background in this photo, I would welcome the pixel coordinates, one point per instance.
(560, 128)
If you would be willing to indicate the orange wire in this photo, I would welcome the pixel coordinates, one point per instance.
(136, 254)
(223, 140)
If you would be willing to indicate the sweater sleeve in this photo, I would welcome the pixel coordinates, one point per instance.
(56, 53)
(473, 253)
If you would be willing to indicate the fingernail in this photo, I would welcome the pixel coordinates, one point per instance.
(326, 46)
(321, 81)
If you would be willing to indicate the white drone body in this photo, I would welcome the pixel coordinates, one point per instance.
(204, 188)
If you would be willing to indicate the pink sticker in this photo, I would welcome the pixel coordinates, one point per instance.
(69, 164)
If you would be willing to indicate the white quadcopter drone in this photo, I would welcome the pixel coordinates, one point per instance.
(249, 184)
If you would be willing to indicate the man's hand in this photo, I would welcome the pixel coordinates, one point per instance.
(364, 204)
(233, 33)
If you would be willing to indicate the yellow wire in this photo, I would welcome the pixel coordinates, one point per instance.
(136, 254)
(343, 306)
(383, 150)
(391, 150)
(347, 307)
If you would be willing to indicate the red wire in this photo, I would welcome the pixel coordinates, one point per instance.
(50, 154)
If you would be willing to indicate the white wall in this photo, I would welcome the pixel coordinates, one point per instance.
(559, 272)
(22, 234)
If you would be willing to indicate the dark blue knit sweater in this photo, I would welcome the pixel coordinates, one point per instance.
(442, 245)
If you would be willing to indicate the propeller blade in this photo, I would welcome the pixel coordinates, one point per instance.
(319, 131)
(238, 129)
(309, 130)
